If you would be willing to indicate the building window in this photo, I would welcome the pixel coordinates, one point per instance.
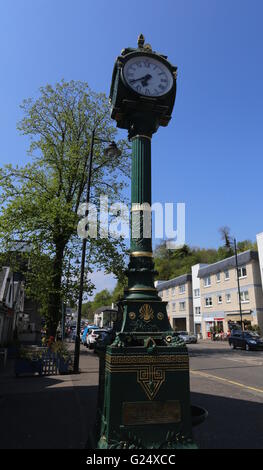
(173, 306)
(173, 291)
(181, 306)
(182, 289)
(197, 293)
(197, 310)
(217, 277)
(226, 274)
(228, 298)
(219, 299)
(208, 302)
(242, 272)
(207, 281)
(244, 296)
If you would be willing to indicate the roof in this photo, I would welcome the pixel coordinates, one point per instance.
(242, 258)
(105, 308)
(174, 282)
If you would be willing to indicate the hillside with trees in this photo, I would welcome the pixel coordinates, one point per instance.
(173, 263)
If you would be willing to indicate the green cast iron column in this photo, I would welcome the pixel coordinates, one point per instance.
(141, 267)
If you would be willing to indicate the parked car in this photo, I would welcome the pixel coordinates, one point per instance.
(85, 333)
(104, 339)
(187, 338)
(93, 336)
(247, 340)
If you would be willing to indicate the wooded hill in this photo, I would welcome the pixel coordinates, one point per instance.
(173, 263)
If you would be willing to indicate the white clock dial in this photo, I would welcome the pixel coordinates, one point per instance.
(148, 76)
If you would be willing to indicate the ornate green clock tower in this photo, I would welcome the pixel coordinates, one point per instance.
(144, 398)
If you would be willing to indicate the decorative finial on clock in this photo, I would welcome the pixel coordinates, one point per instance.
(141, 45)
(141, 41)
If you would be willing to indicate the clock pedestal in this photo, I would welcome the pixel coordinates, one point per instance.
(144, 397)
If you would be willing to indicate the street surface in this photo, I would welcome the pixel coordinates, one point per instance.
(229, 384)
(58, 411)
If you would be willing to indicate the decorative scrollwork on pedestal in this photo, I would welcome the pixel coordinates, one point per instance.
(132, 315)
(146, 313)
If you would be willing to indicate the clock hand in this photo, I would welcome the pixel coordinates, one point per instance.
(143, 79)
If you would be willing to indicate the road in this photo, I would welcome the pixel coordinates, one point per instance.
(229, 384)
(58, 411)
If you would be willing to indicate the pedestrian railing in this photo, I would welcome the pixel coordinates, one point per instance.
(43, 361)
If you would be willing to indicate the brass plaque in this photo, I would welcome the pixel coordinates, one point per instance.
(154, 412)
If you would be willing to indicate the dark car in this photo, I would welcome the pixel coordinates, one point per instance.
(104, 339)
(247, 340)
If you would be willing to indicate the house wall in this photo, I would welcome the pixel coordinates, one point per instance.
(221, 312)
(179, 319)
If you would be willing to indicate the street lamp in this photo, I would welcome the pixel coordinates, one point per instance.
(110, 151)
(238, 285)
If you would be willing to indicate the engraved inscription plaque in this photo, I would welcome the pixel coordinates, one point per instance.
(157, 412)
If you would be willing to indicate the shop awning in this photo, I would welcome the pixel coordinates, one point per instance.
(238, 318)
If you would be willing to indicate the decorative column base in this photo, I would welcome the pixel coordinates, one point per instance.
(145, 404)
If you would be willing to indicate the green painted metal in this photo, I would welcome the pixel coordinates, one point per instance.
(147, 367)
(141, 268)
(126, 368)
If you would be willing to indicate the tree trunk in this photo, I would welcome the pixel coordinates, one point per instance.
(54, 303)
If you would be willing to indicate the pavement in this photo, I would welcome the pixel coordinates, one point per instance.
(57, 412)
(50, 412)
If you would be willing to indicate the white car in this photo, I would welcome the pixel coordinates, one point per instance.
(92, 337)
(187, 338)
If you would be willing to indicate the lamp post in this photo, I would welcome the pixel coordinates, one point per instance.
(238, 285)
(111, 151)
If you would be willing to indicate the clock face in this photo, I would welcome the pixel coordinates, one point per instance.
(148, 76)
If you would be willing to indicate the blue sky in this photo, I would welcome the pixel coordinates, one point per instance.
(210, 156)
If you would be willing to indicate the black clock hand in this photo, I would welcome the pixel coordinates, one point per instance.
(145, 79)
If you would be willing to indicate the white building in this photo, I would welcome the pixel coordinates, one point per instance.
(105, 316)
(197, 298)
(260, 254)
(177, 293)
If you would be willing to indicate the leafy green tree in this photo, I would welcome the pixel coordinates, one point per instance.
(173, 263)
(246, 245)
(227, 249)
(39, 202)
(87, 311)
(118, 291)
(101, 299)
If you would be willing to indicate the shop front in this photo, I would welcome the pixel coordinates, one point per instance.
(234, 320)
(214, 323)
